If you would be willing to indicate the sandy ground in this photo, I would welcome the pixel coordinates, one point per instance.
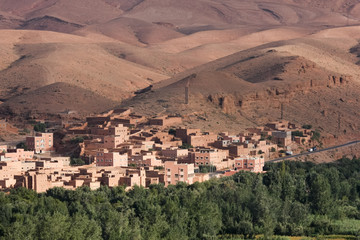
(332, 155)
(249, 56)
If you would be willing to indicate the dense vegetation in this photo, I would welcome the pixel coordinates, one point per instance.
(77, 162)
(40, 127)
(207, 168)
(77, 140)
(292, 198)
(297, 133)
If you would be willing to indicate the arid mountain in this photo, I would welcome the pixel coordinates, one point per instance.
(315, 79)
(250, 57)
(55, 99)
(135, 31)
(47, 57)
(48, 23)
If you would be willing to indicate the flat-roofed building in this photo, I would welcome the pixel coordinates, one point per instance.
(253, 164)
(282, 138)
(165, 121)
(19, 154)
(112, 141)
(206, 156)
(202, 140)
(175, 153)
(111, 159)
(145, 160)
(41, 142)
(183, 133)
(175, 172)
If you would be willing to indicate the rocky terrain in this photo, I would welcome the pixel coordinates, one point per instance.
(243, 60)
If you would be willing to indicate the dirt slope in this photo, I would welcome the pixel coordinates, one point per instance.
(48, 23)
(35, 59)
(136, 32)
(314, 78)
(54, 99)
(249, 55)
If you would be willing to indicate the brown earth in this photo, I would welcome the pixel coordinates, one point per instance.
(332, 155)
(314, 78)
(48, 23)
(250, 57)
(63, 98)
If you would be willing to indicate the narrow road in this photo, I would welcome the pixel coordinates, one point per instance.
(309, 153)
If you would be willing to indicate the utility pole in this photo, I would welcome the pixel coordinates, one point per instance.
(282, 111)
(187, 92)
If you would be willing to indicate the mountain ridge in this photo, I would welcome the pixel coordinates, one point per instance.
(247, 55)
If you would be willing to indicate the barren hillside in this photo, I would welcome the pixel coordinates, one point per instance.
(248, 56)
(314, 78)
(45, 58)
(54, 99)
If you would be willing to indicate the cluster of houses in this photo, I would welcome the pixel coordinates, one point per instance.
(123, 148)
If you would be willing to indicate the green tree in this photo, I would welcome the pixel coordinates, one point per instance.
(22, 228)
(77, 162)
(82, 227)
(297, 133)
(53, 226)
(186, 146)
(320, 194)
(40, 127)
(22, 145)
(291, 198)
(316, 136)
(207, 168)
(172, 131)
(77, 140)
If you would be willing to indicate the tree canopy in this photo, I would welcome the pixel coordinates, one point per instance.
(291, 198)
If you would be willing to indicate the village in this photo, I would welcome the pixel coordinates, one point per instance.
(122, 148)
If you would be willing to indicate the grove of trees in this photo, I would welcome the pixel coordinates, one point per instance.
(40, 127)
(291, 198)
